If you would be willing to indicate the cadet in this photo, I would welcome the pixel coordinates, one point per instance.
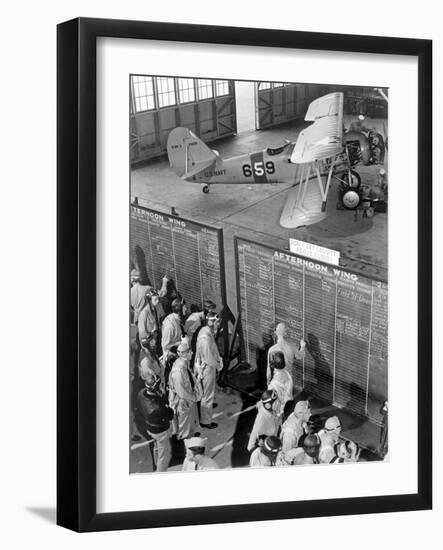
(207, 363)
(329, 437)
(288, 350)
(152, 405)
(266, 422)
(295, 425)
(281, 381)
(172, 330)
(195, 456)
(183, 394)
(266, 454)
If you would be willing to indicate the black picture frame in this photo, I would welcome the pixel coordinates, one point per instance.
(76, 265)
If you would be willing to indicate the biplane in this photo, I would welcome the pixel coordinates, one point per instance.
(321, 152)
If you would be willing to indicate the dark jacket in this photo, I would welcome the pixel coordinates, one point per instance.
(155, 411)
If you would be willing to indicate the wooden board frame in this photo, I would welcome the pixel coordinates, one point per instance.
(76, 263)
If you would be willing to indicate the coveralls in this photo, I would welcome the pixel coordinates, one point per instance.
(182, 398)
(259, 459)
(149, 325)
(171, 332)
(282, 384)
(193, 322)
(295, 457)
(291, 432)
(199, 462)
(327, 448)
(207, 363)
(290, 354)
(157, 417)
(138, 292)
(266, 423)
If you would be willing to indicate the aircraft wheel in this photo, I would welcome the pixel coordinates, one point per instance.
(205, 189)
(351, 199)
(351, 179)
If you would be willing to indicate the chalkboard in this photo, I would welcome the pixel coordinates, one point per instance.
(190, 253)
(342, 315)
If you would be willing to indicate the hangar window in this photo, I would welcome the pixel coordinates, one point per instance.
(222, 87)
(143, 93)
(264, 85)
(166, 92)
(277, 85)
(186, 90)
(205, 89)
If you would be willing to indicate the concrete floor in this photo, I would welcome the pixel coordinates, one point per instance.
(253, 211)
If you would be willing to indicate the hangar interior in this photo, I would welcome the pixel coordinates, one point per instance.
(212, 110)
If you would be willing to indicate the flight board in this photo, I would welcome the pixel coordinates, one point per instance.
(189, 253)
(342, 315)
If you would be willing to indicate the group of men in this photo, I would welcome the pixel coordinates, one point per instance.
(176, 361)
(285, 433)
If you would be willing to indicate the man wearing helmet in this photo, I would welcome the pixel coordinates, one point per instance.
(266, 422)
(153, 407)
(281, 381)
(289, 351)
(329, 437)
(183, 394)
(295, 425)
(149, 321)
(207, 363)
(195, 456)
(307, 454)
(197, 318)
(267, 453)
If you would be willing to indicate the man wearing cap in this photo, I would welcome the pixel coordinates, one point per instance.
(172, 330)
(267, 422)
(149, 322)
(267, 453)
(197, 318)
(138, 292)
(289, 351)
(195, 456)
(153, 406)
(281, 381)
(295, 425)
(182, 392)
(206, 365)
(329, 437)
(307, 454)
(150, 366)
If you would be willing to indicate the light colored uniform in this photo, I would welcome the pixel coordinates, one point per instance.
(138, 292)
(282, 384)
(207, 363)
(260, 460)
(294, 457)
(182, 398)
(327, 448)
(193, 322)
(266, 423)
(171, 332)
(199, 462)
(149, 320)
(290, 354)
(292, 430)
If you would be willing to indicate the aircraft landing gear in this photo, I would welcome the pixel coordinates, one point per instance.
(205, 189)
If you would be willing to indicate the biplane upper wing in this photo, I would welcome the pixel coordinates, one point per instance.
(319, 142)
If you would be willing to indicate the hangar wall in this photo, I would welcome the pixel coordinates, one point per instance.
(159, 104)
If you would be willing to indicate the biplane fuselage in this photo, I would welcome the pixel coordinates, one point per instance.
(257, 167)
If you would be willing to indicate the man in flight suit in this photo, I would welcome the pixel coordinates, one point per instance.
(183, 394)
(207, 363)
(195, 456)
(153, 406)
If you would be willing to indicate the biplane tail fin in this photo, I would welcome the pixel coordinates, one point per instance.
(187, 153)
